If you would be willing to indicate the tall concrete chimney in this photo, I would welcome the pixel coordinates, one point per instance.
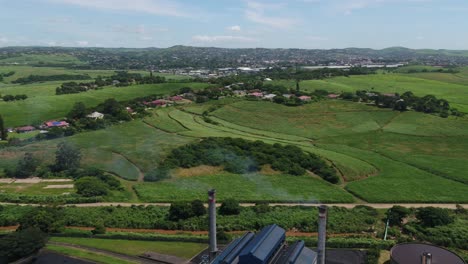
(426, 258)
(322, 234)
(212, 215)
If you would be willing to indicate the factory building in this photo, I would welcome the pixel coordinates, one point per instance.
(267, 247)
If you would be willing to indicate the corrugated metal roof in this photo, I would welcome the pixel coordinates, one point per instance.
(231, 253)
(263, 246)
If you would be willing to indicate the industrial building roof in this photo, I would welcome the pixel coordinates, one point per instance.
(264, 245)
(267, 247)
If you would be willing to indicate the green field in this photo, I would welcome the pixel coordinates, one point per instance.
(452, 87)
(135, 248)
(38, 109)
(86, 255)
(380, 155)
(249, 187)
(373, 149)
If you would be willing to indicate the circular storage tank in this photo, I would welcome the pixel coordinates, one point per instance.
(418, 253)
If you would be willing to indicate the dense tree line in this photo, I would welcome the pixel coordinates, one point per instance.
(3, 130)
(242, 156)
(427, 104)
(74, 87)
(47, 78)
(18, 97)
(191, 215)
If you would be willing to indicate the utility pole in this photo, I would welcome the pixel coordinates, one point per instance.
(386, 225)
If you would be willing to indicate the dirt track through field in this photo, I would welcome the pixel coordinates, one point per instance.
(345, 205)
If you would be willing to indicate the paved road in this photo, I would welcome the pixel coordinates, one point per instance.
(346, 205)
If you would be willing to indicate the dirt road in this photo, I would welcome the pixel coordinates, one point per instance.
(345, 205)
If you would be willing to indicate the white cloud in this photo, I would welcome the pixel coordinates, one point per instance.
(218, 39)
(82, 43)
(155, 7)
(348, 6)
(3, 40)
(234, 28)
(255, 12)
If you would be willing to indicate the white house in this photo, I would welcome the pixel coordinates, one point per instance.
(96, 115)
(269, 96)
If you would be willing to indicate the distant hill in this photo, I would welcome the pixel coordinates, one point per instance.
(211, 57)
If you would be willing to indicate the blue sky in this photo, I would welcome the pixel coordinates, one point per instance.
(438, 24)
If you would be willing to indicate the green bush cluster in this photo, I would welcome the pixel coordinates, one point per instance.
(243, 156)
(341, 220)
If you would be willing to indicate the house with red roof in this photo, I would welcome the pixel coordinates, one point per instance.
(176, 98)
(54, 123)
(305, 98)
(25, 129)
(333, 96)
(256, 94)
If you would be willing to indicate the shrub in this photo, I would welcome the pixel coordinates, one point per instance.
(230, 207)
(20, 244)
(90, 187)
(431, 216)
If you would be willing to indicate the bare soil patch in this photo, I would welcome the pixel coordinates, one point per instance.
(197, 171)
(59, 186)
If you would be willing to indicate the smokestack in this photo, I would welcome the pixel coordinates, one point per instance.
(212, 215)
(322, 234)
(426, 258)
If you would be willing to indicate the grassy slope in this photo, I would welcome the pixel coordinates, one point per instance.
(41, 108)
(250, 187)
(135, 247)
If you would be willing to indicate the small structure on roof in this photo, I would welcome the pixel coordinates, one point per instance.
(54, 123)
(96, 115)
(25, 129)
(333, 96)
(305, 98)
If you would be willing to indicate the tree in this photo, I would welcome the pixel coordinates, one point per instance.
(230, 207)
(431, 216)
(91, 187)
(198, 208)
(46, 219)
(67, 157)
(78, 111)
(27, 166)
(396, 215)
(3, 131)
(21, 243)
(99, 228)
(180, 211)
